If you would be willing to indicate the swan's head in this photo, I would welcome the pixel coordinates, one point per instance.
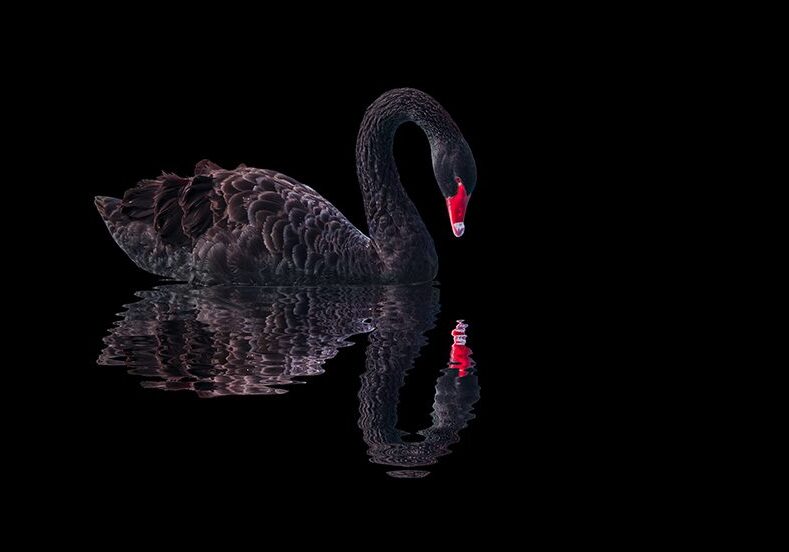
(456, 175)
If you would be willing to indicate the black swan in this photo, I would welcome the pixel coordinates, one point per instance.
(259, 227)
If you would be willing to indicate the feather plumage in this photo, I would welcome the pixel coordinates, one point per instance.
(257, 226)
(245, 226)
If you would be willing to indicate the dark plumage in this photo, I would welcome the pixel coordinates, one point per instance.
(260, 227)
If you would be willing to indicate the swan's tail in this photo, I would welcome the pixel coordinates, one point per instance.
(111, 213)
(131, 238)
(109, 208)
(133, 231)
(107, 205)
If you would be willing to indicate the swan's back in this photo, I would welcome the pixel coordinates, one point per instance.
(242, 226)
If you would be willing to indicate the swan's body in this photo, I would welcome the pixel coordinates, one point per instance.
(256, 226)
(245, 226)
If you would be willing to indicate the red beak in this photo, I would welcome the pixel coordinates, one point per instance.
(456, 205)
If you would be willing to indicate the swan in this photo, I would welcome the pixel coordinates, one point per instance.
(251, 226)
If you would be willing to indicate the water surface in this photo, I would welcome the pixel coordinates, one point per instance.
(233, 341)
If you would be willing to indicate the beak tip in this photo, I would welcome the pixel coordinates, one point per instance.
(458, 228)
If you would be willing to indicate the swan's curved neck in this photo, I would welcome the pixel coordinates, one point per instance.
(399, 235)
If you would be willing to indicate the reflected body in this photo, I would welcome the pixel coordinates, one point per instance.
(226, 340)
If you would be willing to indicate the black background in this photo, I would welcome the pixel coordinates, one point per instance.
(521, 275)
(137, 121)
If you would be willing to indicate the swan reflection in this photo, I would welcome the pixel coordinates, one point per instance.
(220, 341)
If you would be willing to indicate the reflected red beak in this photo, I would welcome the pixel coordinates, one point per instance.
(460, 354)
(456, 205)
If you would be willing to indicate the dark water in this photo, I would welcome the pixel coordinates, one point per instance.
(233, 341)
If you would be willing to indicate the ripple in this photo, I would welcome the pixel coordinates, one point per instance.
(408, 474)
(233, 340)
(221, 341)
